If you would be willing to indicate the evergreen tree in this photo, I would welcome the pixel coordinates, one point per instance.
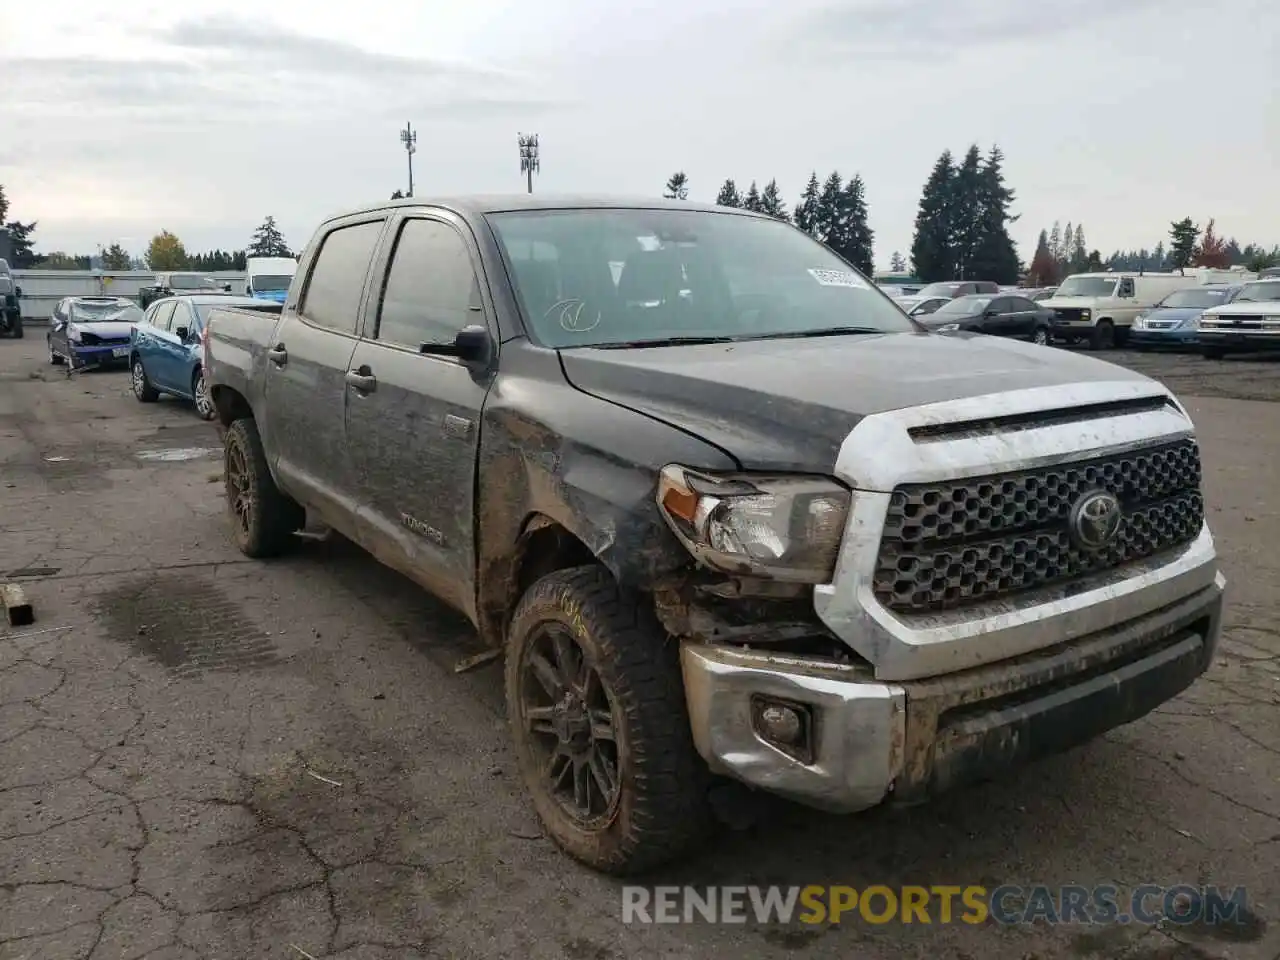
(1158, 260)
(966, 215)
(826, 221)
(21, 247)
(854, 236)
(1183, 234)
(115, 257)
(993, 255)
(398, 195)
(1055, 242)
(268, 241)
(771, 201)
(807, 208)
(931, 251)
(752, 200)
(896, 263)
(728, 195)
(1081, 251)
(677, 187)
(4, 206)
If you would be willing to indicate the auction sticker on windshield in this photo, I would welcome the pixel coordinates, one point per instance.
(839, 278)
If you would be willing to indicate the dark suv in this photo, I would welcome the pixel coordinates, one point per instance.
(10, 308)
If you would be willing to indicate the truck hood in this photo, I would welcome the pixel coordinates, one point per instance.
(109, 329)
(788, 405)
(1245, 308)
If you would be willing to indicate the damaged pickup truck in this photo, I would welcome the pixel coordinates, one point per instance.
(728, 510)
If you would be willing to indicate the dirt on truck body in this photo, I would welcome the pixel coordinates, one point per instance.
(728, 511)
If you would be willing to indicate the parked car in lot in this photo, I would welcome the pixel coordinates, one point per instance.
(918, 307)
(164, 349)
(91, 331)
(1099, 308)
(1175, 320)
(958, 288)
(1249, 323)
(997, 316)
(730, 514)
(10, 304)
(170, 284)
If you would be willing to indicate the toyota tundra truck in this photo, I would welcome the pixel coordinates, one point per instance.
(726, 509)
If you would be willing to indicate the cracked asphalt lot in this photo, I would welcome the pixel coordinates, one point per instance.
(203, 756)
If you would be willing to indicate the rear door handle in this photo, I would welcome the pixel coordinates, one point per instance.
(278, 355)
(363, 382)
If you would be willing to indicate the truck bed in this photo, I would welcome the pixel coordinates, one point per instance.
(235, 342)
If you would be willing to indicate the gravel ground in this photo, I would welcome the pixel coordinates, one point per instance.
(203, 756)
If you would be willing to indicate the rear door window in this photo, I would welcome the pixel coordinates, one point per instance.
(335, 287)
(163, 318)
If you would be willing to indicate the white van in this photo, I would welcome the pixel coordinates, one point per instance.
(1100, 307)
(268, 278)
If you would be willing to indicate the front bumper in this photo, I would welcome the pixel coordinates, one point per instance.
(1241, 342)
(1163, 336)
(873, 741)
(99, 355)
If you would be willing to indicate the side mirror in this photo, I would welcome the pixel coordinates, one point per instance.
(181, 333)
(17, 291)
(471, 345)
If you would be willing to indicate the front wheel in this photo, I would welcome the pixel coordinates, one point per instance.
(200, 393)
(54, 358)
(1040, 337)
(263, 519)
(141, 383)
(597, 712)
(1103, 336)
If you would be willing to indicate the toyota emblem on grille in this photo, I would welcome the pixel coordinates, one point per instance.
(1095, 519)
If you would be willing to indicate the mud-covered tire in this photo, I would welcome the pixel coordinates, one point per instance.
(143, 390)
(662, 812)
(263, 519)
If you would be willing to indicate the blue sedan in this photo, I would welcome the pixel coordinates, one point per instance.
(1175, 320)
(165, 354)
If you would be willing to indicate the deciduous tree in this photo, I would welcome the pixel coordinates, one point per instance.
(166, 252)
(1212, 251)
(1043, 271)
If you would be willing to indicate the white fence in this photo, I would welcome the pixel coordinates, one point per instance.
(42, 289)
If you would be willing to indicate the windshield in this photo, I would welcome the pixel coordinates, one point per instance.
(1260, 291)
(1086, 287)
(609, 276)
(116, 311)
(1197, 299)
(940, 290)
(267, 283)
(963, 306)
(189, 281)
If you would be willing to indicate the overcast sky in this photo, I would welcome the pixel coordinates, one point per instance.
(1122, 116)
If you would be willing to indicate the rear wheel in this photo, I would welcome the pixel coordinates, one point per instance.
(200, 394)
(263, 519)
(141, 383)
(601, 730)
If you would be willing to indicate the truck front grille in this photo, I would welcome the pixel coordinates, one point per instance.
(953, 543)
(1067, 314)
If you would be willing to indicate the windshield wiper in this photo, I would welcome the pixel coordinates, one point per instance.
(798, 334)
(665, 342)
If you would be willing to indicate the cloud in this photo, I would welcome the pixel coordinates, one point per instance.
(928, 30)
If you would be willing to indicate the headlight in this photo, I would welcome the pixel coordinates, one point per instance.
(1086, 314)
(948, 327)
(784, 528)
(73, 333)
(1191, 323)
(1139, 321)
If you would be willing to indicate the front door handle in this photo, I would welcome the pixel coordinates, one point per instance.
(363, 382)
(278, 355)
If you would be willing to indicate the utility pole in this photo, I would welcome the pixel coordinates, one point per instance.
(409, 137)
(529, 164)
